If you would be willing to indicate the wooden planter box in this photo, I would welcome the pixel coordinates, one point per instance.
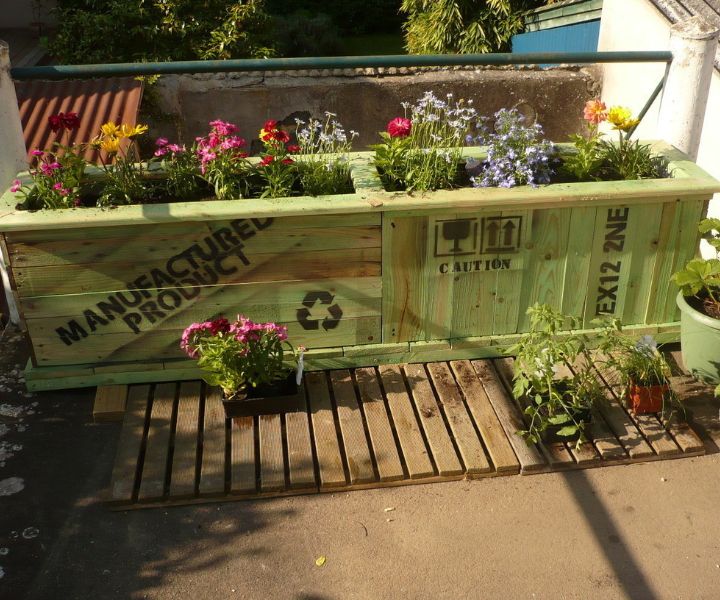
(360, 279)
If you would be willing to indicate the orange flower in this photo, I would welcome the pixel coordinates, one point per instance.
(595, 111)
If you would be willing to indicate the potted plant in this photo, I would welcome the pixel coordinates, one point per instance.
(247, 360)
(643, 370)
(699, 302)
(559, 407)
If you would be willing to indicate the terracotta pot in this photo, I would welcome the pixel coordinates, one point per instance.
(279, 397)
(644, 399)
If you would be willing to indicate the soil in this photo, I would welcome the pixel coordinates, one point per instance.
(704, 305)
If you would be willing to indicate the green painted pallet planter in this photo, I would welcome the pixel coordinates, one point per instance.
(361, 279)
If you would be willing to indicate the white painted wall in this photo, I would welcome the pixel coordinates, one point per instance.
(23, 14)
(638, 25)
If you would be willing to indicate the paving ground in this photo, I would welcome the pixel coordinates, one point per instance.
(638, 531)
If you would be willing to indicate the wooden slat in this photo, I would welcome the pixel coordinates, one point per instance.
(327, 447)
(212, 468)
(461, 425)
(357, 452)
(378, 424)
(158, 443)
(487, 422)
(272, 464)
(431, 419)
(605, 442)
(184, 462)
(125, 469)
(556, 454)
(300, 458)
(702, 407)
(414, 451)
(109, 403)
(242, 453)
(509, 416)
(684, 436)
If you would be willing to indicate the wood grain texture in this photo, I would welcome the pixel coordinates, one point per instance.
(212, 468)
(242, 456)
(184, 460)
(327, 446)
(109, 403)
(300, 458)
(158, 442)
(272, 463)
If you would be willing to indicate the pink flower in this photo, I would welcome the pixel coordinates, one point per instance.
(399, 127)
(161, 141)
(37, 153)
(223, 128)
(174, 148)
(58, 186)
(16, 186)
(160, 152)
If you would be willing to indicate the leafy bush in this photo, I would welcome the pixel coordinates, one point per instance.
(107, 31)
(302, 34)
(353, 17)
(462, 26)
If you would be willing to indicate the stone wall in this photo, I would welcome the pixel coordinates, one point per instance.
(364, 99)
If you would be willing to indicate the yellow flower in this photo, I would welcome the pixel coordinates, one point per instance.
(110, 144)
(110, 129)
(621, 118)
(128, 131)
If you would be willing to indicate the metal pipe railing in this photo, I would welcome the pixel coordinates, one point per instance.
(332, 62)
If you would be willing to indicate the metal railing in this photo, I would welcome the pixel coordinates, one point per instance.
(53, 72)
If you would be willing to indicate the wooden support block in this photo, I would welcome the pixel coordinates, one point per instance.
(212, 468)
(432, 422)
(509, 416)
(461, 425)
(359, 463)
(412, 445)
(272, 464)
(378, 423)
(184, 462)
(155, 466)
(327, 447)
(300, 458)
(126, 467)
(109, 403)
(242, 456)
(487, 422)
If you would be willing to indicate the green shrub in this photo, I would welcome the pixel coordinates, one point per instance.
(463, 26)
(107, 31)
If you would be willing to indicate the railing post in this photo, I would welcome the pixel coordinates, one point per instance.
(13, 157)
(693, 43)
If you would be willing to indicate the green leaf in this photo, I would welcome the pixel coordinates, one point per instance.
(559, 419)
(568, 431)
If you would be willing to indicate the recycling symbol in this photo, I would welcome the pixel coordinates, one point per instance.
(329, 322)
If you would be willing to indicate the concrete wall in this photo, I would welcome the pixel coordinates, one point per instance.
(638, 25)
(25, 14)
(363, 101)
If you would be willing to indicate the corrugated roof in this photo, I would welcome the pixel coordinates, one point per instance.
(679, 10)
(96, 101)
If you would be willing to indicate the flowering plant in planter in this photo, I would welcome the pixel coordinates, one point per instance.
(223, 162)
(643, 370)
(598, 159)
(558, 406)
(238, 356)
(423, 149)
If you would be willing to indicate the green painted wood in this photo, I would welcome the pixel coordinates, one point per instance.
(664, 261)
(579, 253)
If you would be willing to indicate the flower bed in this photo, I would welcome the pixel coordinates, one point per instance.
(358, 279)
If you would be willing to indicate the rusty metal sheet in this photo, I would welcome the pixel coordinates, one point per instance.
(96, 101)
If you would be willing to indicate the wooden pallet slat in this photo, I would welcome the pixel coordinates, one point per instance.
(497, 444)
(125, 468)
(301, 465)
(414, 451)
(432, 422)
(212, 467)
(242, 453)
(272, 463)
(461, 425)
(327, 447)
(509, 416)
(109, 403)
(158, 443)
(381, 436)
(184, 463)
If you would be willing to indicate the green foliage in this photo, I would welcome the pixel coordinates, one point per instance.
(701, 277)
(462, 26)
(351, 17)
(107, 31)
(585, 163)
(304, 34)
(554, 399)
(630, 160)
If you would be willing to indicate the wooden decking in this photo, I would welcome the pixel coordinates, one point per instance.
(365, 427)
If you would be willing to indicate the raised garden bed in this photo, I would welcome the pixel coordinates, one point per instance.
(360, 279)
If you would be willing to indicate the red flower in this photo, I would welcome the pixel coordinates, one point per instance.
(399, 127)
(71, 120)
(293, 148)
(270, 125)
(266, 160)
(56, 122)
(281, 136)
(287, 161)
